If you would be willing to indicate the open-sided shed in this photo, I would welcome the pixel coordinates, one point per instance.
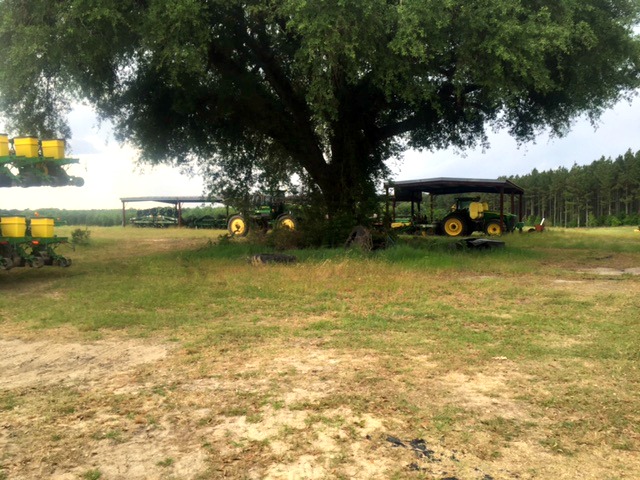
(413, 190)
(175, 201)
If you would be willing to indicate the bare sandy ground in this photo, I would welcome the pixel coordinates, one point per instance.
(138, 409)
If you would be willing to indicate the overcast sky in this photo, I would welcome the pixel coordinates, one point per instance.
(110, 170)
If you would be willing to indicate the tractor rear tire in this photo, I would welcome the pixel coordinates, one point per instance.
(455, 225)
(494, 228)
(238, 226)
(286, 221)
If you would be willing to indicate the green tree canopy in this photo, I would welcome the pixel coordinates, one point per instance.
(327, 89)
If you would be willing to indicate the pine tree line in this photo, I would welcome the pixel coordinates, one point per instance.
(604, 193)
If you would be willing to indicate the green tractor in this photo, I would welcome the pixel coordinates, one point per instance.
(268, 212)
(470, 215)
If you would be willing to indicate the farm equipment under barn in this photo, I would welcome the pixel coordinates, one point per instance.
(155, 218)
(28, 162)
(468, 214)
(260, 213)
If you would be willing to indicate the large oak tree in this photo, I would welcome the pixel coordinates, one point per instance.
(328, 89)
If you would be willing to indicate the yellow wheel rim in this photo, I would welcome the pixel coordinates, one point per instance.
(238, 226)
(453, 227)
(494, 229)
(288, 223)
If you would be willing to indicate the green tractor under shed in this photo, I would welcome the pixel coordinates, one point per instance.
(468, 214)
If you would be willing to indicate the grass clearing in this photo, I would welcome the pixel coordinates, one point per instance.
(163, 353)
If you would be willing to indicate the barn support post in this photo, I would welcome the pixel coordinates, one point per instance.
(124, 219)
(521, 207)
(501, 205)
(386, 203)
(431, 207)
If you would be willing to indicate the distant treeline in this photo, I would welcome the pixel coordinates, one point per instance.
(107, 218)
(604, 193)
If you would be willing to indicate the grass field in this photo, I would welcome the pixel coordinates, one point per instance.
(166, 354)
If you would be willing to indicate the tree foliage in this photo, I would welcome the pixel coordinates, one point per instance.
(257, 90)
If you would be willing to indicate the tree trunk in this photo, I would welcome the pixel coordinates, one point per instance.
(348, 186)
(586, 214)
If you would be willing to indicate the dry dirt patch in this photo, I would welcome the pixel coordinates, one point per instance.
(24, 364)
(612, 271)
(488, 394)
(137, 410)
(133, 410)
(57, 421)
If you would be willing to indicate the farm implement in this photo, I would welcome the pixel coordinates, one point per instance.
(29, 162)
(209, 221)
(155, 218)
(34, 245)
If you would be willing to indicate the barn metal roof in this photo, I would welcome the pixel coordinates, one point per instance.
(407, 190)
(173, 200)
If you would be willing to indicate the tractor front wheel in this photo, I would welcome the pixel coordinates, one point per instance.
(493, 228)
(454, 226)
(238, 226)
(286, 221)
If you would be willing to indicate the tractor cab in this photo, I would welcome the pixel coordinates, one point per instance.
(267, 206)
(462, 203)
(473, 205)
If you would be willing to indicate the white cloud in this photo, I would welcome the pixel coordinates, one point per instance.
(617, 131)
